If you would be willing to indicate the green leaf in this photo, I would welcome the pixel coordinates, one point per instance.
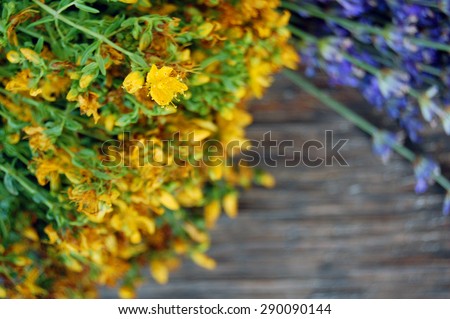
(103, 175)
(86, 54)
(9, 184)
(44, 20)
(118, 20)
(85, 8)
(39, 45)
(90, 68)
(73, 125)
(128, 119)
(87, 154)
(101, 64)
(128, 22)
(139, 60)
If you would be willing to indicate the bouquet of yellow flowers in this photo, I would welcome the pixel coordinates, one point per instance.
(110, 113)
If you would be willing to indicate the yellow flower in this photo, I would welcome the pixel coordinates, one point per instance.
(13, 138)
(51, 233)
(230, 204)
(133, 82)
(267, 180)
(29, 287)
(30, 55)
(89, 105)
(19, 82)
(85, 80)
(260, 77)
(87, 201)
(196, 234)
(31, 234)
(212, 213)
(72, 95)
(53, 86)
(168, 200)
(37, 139)
(205, 29)
(13, 56)
(203, 261)
(290, 57)
(127, 292)
(163, 87)
(159, 271)
(2, 292)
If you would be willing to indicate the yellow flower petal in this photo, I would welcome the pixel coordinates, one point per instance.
(203, 261)
(230, 204)
(2, 292)
(51, 233)
(31, 234)
(127, 292)
(212, 213)
(168, 200)
(159, 272)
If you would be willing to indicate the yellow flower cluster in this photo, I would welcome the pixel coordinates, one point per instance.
(104, 134)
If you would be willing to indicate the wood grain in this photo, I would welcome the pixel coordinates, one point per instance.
(327, 232)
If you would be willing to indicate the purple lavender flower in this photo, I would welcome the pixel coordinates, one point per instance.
(446, 205)
(352, 8)
(428, 105)
(446, 122)
(412, 17)
(411, 124)
(382, 144)
(393, 83)
(424, 170)
(444, 5)
(371, 91)
(310, 59)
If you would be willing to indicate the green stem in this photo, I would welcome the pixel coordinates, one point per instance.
(430, 69)
(302, 34)
(33, 34)
(361, 64)
(93, 34)
(26, 184)
(356, 119)
(331, 103)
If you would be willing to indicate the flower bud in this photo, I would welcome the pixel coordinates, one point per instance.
(30, 55)
(133, 82)
(13, 56)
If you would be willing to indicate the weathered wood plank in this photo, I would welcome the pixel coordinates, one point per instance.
(327, 232)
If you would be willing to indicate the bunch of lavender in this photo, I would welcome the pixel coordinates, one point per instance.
(395, 52)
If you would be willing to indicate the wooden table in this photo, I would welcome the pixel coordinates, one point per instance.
(327, 232)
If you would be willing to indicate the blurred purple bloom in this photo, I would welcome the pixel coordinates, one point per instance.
(372, 93)
(424, 170)
(411, 124)
(353, 8)
(383, 143)
(428, 105)
(446, 205)
(393, 83)
(309, 56)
